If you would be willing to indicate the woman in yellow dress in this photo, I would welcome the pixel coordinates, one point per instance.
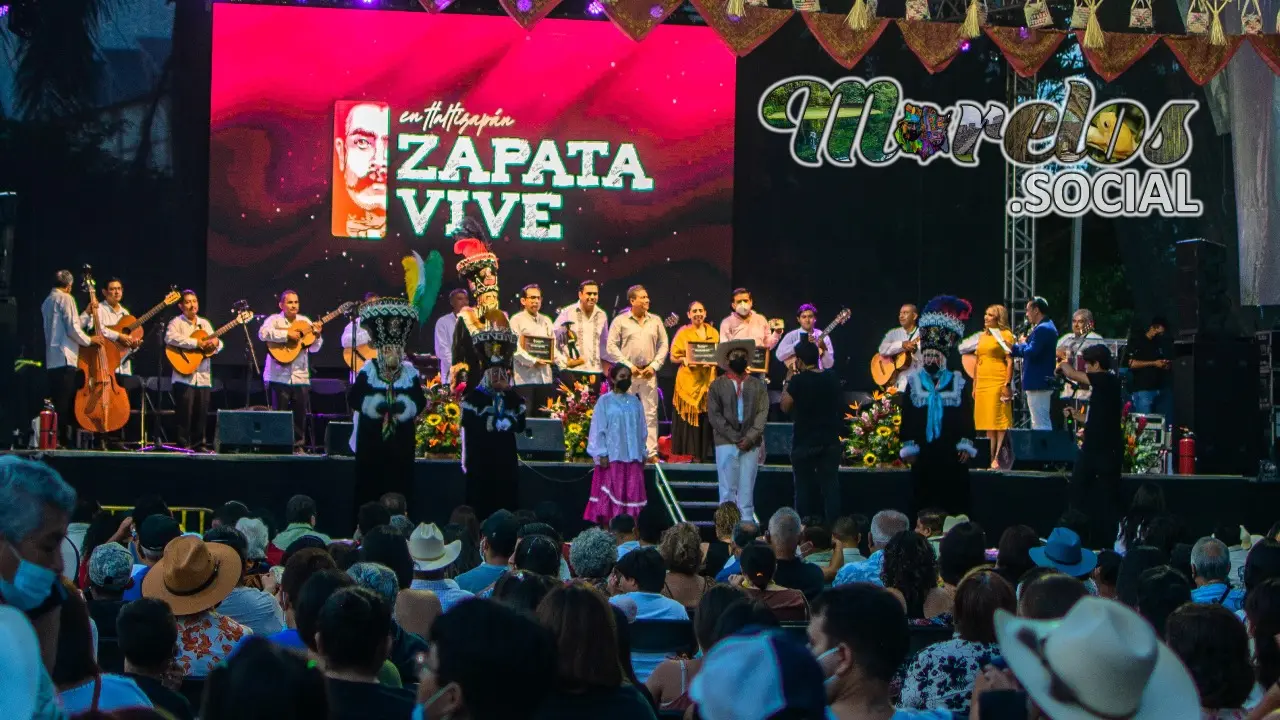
(690, 431)
(992, 396)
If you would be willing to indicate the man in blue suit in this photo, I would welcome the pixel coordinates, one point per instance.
(1037, 350)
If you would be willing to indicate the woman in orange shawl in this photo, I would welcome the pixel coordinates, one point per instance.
(690, 431)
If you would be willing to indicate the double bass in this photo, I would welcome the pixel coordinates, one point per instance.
(102, 405)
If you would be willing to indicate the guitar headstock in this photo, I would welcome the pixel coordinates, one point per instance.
(671, 321)
(244, 316)
(841, 317)
(87, 282)
(173, 297)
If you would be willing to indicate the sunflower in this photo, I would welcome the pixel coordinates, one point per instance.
(897, 420)
(590, 412)
(869, 459)
(883, 431)
(575, 428)
(434, 419)
(451, 410)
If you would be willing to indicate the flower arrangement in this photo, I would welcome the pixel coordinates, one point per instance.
(574, 409)
(873, 439)
(1142, 454)
(438, 423)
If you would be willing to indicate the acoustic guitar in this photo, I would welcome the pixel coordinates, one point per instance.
(289, 350)
(816, 338)
(132, 326)
(186, 362)
(356, 357)
(885, 370)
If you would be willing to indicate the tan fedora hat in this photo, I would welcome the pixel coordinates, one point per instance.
(724, 348)
(428, 549)
(193, 576)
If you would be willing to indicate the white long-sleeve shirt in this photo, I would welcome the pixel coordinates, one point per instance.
(527, 370)
(618, 429)
(276, 329)
(355, 339)
(891, 345)
(178, 334)
(787, 349)
(109, 316)
(444, 343)
(592, 331)
(63, 336)
(638, 344)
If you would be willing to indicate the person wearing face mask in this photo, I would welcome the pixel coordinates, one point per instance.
(473, 644)
(737, 408)
(933, 419)
(690, 432)
(747, 324)
(617, 444)
(859, 634)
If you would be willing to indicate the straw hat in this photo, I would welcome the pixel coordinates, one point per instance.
(429, 552)
(193, 576)
(1102, 661)
(724, 348)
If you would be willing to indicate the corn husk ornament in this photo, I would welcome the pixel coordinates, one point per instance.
(859, 17)
(1140, 15)
(1250, 18)
(1037, 14)
(974, 18)
(1093, 37)
(1080, 15)
(736, 8)
(1216, 34)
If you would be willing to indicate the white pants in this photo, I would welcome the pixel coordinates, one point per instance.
(737, 473)
(647, 390)
(1038, 402)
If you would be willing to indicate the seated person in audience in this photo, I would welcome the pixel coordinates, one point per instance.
(759, 567)
(229, 514)
(884, 525)
(256, 537)
(651, 522)
(248, 606)
(432, 560)
(592, 556)
(300, 513)
(148, 636)
(353, 637)
(345, 553)
(623, 624)
(271, 680)
(383, 546)
(472, 645)
(911, 574)
(302, 565)
(369, 516)
(1064, 551)
(193, 577)
(405, 646)
(940, 677)
(929, 525)
(848, 531)
(109, 576)
(154, 534)
(1136, 561)
(498, 537)
(415, 610)
(624, 532)
(637, 580)
(792, 572)
(859, 635)
(1107, 573)
(1262, 619)
(1049, 596)
(681, 550)
(1214, 645)
(523, 589)
(541, 528)
(395, 503)
(1161, 590)
(669, 682)
(961, 550)
(716, 554)
(315, 592)
(80, 683)
(1210, 568)
(816, 544)
(762, 674)
(1013, 553)
(744, 533)
(590, 681)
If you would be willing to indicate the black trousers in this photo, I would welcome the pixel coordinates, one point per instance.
(192, 415)
(1095, 491)
(817, 478)
(63, 384)
(298, 399)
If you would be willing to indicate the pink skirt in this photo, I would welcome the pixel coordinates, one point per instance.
(617, 490)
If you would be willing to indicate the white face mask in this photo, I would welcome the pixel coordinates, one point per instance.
(743, 308)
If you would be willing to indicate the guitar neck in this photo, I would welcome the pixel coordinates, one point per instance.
(834, 324)
(146, 316)
(224, 329)
(332, 315)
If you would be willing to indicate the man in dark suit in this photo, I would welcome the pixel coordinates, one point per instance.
(1037, 350)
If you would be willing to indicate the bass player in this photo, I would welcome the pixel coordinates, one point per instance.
(904, 338)
(110, 312)
(289, 384)
(191, 392)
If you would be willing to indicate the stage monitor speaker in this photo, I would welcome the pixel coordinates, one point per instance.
(337, 438)
(254, 431)
(777, 440)
(543, 436)
(1203, 304)
(1041, 449)
(1215, 394)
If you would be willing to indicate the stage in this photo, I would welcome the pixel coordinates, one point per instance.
(997, 499)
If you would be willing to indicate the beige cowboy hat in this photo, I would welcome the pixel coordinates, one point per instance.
(1101, 661)
(952, 521)
(193, 576)
(428, 549)
(724, 348)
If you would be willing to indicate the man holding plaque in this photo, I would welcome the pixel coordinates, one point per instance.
(581, 332)
(747, 324)
(536, 353)
(638, 340)
(690, 432)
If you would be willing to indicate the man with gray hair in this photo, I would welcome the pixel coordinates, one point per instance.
(1210, 566)
(884, 526)
(792, 571)
(593, 555)
(1071, 345)
(63, 339)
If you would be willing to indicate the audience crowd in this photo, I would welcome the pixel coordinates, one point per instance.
(504, 618)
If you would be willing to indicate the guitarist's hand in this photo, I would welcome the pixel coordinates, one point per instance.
(909, 345)
(208, 344)
(315, 327)
(129, 341)
(295, 335)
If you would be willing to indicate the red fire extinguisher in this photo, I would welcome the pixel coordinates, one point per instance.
(1187, 453)
(48, 427)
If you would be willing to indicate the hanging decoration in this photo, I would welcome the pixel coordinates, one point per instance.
(1197, 18)
(528, 12)
(1026, 50)
(1268, 48)
(1216, 35)
(1250, 17)
(845, 45)
(637, 18)
(918, 10)
(1037, 14)
(859, 17)
(1122, 51)
(806, 6)
(935, 43)
(1094, 38)
(1140, 15)
(742, 33)
(974, 18)
(1080, 15)
(1201, 59)
(435, 6)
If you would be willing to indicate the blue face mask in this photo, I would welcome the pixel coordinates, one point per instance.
(31, 584)
(827, 680)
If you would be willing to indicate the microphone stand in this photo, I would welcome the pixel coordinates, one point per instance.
(253, 363)
(158, 444)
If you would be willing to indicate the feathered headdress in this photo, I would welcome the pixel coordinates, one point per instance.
(942, 322)
(469, 242)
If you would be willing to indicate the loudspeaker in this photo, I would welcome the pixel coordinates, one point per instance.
(1215, 394)
(337, 438)
(1203, 304)
(254, 431)
(542, 435)
(777, 440)
(1041, 449)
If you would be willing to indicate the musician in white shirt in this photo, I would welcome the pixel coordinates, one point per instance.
(111, 312)
(533, 377)
(354, 336)
(904, 338)
(63, 339)
(290, 385)
(191, 392)
(807, 315)
(1069, 348)
(445, 327)
(582, 334)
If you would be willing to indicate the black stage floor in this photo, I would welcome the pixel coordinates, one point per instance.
(997, 499)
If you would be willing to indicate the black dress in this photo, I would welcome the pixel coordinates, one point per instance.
(385, 464)
(940, 479)
(490, 421)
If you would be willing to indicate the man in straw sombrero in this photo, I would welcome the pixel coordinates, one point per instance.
(193, 577)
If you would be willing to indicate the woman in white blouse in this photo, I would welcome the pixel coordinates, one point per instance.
(617, 444)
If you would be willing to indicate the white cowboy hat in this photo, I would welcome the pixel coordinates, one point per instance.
(1102, 661)
(426, 546)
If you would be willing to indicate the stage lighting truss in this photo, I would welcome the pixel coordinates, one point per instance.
(1019, 239)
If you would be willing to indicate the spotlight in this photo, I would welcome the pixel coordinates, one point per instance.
(595, 8)
(1023, 33)
(964, 46)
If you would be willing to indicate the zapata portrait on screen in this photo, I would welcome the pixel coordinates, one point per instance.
(360, 145)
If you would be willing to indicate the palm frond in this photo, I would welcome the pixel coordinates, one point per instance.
(58, 61)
